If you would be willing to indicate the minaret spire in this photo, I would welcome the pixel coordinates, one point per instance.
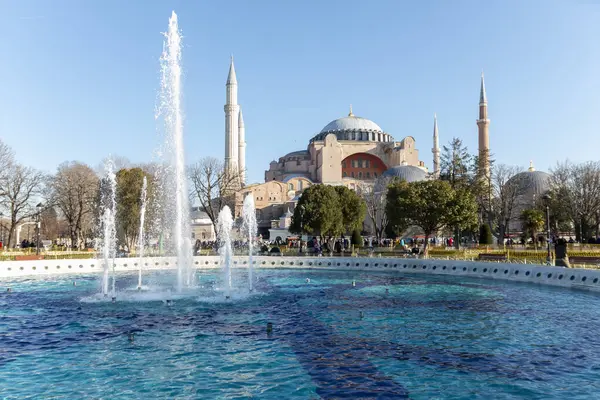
(350, 113)
(482, 95)
(231, 78)
(436, 148)
(232, 110)
(242, 148)
(483, 124)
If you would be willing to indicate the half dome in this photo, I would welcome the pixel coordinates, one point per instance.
(408, 173)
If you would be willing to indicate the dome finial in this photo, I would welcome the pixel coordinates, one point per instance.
(531, 168)
(350, 113)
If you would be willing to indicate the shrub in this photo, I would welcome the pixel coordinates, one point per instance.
(485, 234)
(356, 239)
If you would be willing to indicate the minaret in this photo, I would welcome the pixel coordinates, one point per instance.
(242, 148)
(232, 110)
(436, 148)
(483, 124)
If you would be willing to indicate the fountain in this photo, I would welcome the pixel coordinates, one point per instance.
(171, 111)
(141, 233)
(224, 225)
(108, 225)
(250, 227)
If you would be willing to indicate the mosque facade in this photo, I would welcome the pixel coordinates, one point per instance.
(349, 151)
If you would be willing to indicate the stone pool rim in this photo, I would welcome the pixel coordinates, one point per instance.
(586, 279)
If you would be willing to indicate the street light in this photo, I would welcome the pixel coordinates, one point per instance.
(2, 229)
(39, 224)
(547, 201)
(301, 217)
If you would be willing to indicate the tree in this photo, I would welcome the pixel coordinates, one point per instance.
(129, 193)
(485, 234)
(374, 197)
(318, 212)
(578, 188)
(213, 186)
(20, 188)
(459, 168)
(49, 223)
(455, 164)
(533, 222)
(429, 205)
(352, 206)
(7, 159)
(356, 239)
(74, 191)
(507, 190)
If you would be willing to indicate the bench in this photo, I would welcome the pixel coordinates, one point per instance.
(492, 257)
(29, 257)
(584, 260)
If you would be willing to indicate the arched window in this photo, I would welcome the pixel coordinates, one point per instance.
(299, 185)
(359, 175)
(291, 186)
(345, 174)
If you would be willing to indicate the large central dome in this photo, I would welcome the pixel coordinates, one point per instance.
(354, 128)
(351, 122)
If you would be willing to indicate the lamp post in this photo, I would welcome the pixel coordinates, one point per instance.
(38, 225)
(300, 241)
(2, 229)
(547, 200)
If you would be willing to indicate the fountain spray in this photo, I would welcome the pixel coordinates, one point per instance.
(109, 205)
(141, 232)
(250, 227)
(224, 225)
(171, 111)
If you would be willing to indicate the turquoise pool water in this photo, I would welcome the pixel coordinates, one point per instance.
(416, 336)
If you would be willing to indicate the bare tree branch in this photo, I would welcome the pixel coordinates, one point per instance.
(20, 187)
(74, 191)
(375, 199)
(213, 186)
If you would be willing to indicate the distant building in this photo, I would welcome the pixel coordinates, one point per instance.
(202, 227)
(533, 185)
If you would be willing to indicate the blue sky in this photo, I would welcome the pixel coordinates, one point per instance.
(80, 78)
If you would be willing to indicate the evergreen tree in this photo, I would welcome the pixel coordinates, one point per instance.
(430, 205)
(318, 212)
(356, 239)
(353, 208)
(485, 234)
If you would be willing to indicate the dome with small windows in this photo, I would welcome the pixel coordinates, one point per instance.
(354, 128)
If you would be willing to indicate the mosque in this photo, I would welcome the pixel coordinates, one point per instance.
(349, 151)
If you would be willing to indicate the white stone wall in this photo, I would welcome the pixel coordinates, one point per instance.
(555, 276)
